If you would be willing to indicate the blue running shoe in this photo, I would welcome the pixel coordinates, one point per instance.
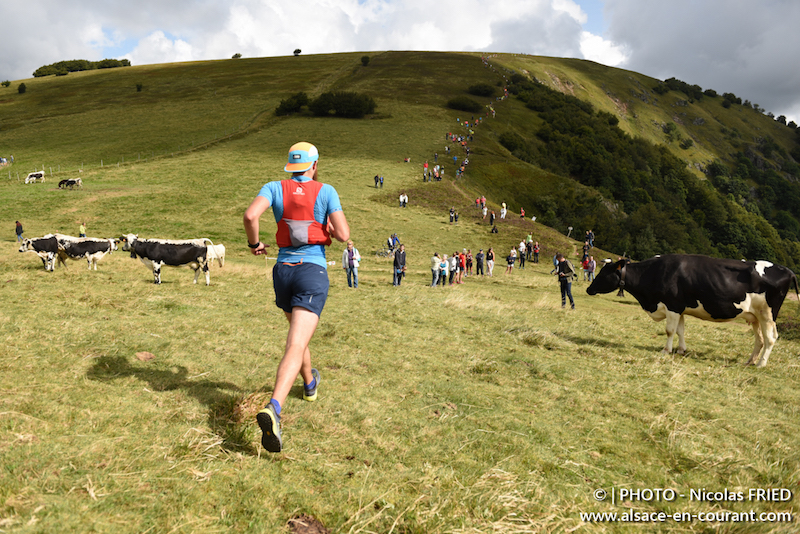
(311, 394)
(270, 424)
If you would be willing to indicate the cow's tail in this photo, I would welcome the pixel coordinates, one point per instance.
(209, 242)
(796, 289)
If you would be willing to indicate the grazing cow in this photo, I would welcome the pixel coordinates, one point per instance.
(33, 176)
(671, 287)
(70, 182)
(91, 249)
(155, 253)
(217, 252)
(45, 247)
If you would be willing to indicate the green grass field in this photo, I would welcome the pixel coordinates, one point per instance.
(482, 407)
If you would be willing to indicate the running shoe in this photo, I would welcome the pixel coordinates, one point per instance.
(311, 394)
(270, 424)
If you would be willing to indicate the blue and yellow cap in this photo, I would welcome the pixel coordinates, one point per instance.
(301, 157)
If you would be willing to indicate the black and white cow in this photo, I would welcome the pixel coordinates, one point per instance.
(70, 182)
(671, 287)
(91, 249)
(46, 247)
(34, 176)
(155, 253)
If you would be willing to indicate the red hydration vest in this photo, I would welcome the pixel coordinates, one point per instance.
(297, 227)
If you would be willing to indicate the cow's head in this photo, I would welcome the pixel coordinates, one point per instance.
(127, 242)
(27, 245)
(608, 279)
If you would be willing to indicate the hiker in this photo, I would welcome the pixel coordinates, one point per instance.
(300, 279)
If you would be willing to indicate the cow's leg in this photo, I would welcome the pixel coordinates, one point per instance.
(157, 272)
(673, 319)
(770, 332)
(758, 344)
(89, 261)
(208, 275)
(681, 339)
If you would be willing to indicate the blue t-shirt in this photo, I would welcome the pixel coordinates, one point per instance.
(327, 202)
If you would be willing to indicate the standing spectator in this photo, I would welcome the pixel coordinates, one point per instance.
(565, 273)
(435, 261)
(462, 267)
(19, 231)
(425, 168)
(591, 239)
(436, 157)
(456, 217)
(469, 262)
(521, 213)
(381, 181)
(490, 260)
(485, 211)
(492, 218)
(536, 252)
(522, 254)
(452, 213)
(443, 267)
(377, 179)
(452, 266)
(399, 265)
(510, 259)
(503, 211)
(82, 230)
(585, 253)
(479, 257)
(592, 265)
(350, 259)
(299, 273)
(585, 267)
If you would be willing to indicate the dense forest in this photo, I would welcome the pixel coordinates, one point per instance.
(649, 202)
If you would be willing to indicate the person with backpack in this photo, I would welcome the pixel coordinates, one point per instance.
(308, 214)
(566, 272)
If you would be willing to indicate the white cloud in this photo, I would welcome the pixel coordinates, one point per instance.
(158, 48)
(595, 48)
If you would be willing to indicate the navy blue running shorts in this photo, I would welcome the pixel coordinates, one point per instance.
(305, 285)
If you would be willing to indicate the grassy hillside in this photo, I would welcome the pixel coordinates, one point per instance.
(481, 407)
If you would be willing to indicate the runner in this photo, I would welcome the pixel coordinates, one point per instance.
(307, 213)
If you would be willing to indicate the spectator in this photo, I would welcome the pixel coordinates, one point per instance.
(510, 259)
(490, 260)
(536, 252)
(479, 257)
(399, 265)
(452, 213)
(350, 259)
(19, 231)
(435, 269)
(452, 267)
(82, 230)
(591, 268)
(443, 265)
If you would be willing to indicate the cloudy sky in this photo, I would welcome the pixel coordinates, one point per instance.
(739, 46)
